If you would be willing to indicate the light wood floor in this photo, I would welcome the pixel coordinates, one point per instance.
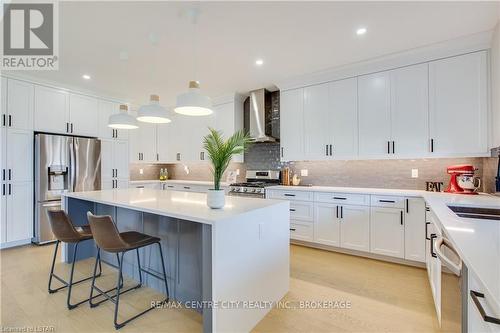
(384, 297)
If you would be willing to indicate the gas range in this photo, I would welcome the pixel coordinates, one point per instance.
(256, 184)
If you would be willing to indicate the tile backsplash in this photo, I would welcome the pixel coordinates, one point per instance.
(354, 173)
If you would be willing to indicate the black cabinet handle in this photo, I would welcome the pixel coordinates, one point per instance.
(475, 295)
(337, 211)
(339, 198)
(10, 189)
(326, 150)
(407, 206)
(292, 229)
(3, 189)
(71, 127)
(157, 156)
(281, 151)
(3, 120)
(289, 195)
(10, 174)
(67, 127)
(10, 120)
(432, 245)
(341, 212)
(388, 147)
(170, 186)
(292, 209)
(187, 187)
(401, 217)
(393, 147)
(331, 153)
(432, 145)
(387, 201)
(426, 232)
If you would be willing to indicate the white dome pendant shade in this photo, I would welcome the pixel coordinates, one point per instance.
(122, 120)
(153, 112)
(193, 102)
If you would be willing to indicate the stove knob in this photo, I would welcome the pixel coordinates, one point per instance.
(245, 190)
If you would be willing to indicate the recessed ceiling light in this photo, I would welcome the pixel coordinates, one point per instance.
(86, 76)
(259, 62)
(361, 31)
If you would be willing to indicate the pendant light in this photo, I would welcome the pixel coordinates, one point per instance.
(153, 112)
(193, 102)
(122, 120)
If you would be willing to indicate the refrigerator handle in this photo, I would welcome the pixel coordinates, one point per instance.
(72, 165)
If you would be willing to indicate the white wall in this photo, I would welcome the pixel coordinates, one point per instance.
(495, 86)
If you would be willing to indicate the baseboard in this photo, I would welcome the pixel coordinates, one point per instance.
(360, 253)
(8, 245)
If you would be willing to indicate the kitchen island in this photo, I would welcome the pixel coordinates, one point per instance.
(233, 263)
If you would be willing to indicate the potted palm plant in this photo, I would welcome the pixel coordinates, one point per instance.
(220, 152)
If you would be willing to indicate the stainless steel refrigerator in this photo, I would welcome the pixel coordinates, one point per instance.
(62, 163)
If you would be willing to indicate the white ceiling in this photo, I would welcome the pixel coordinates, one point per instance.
(292, 38)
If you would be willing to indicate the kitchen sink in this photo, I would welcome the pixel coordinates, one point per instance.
(476, 212)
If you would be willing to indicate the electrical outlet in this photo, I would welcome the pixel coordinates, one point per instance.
(141, 171)
(304, 172)
(414, 173)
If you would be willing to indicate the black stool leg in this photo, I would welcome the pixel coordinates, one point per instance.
(97, 259)
(164, 272)
(121, 274)
(139, 265)
(70, 284)
(52, 269)
(118, 287)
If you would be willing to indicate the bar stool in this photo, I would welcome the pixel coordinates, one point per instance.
(64, 231)
(109, 239)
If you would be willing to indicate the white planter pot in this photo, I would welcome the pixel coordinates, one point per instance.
(216, 199)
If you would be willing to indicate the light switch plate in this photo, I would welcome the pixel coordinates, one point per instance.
(141, 171)
(414, 173)
(304, 172)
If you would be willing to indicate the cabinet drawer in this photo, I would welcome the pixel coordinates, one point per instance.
(301, 231)
(387, 201)
(291, 195)
(300, 210)
(342, 198)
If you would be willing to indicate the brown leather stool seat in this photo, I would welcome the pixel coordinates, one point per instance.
(64, 231)
(109, 239)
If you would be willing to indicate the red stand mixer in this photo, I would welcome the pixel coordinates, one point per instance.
(462, 179)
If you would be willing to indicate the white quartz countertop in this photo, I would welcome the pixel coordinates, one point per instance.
(182, 205)
(176, 181)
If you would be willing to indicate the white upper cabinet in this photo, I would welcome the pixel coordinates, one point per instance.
(143, 143)
(374, 98)
(121, 159)
(162, 142)
(83, 114)
(106, 109)
(51, 110)
(410, 111)
(458, 105)
(229, 119)
(317, 130)
(20, 100)
(343, 118)
(292, 125)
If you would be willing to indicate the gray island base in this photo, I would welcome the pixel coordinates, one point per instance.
(232, 265)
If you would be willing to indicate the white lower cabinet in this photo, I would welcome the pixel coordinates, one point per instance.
(387, 231)
(19, 219)
(414, 221)
(327, 224)
(301, 230)
(355, 227)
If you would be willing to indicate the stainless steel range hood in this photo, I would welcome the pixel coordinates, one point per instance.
(260, 122)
